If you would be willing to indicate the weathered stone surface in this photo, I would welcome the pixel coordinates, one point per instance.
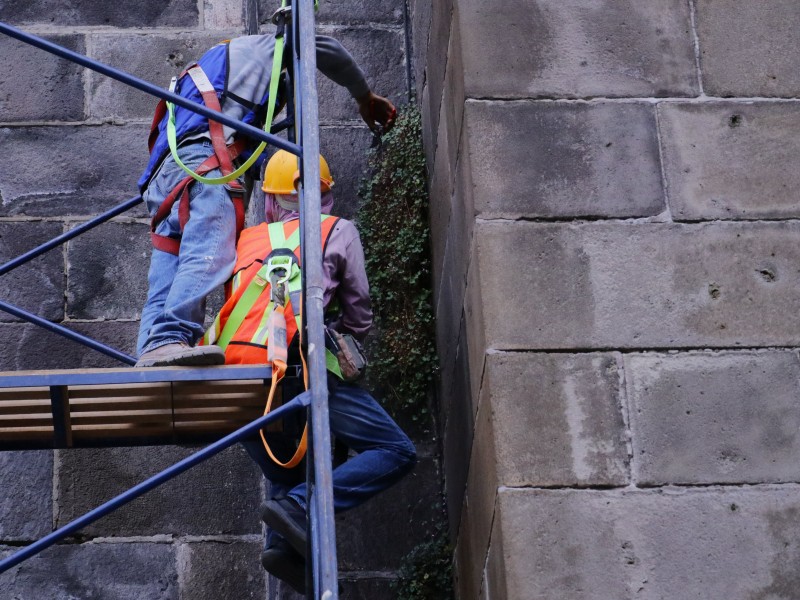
(437, 59)
(211, 570)
(381, 55)
(70, 170)
(107, 272)
(376, 536)
(37, 286)
(345, 150)
(100, 571)
(420, 13)
(578, 286)
(224, 15)
(220, 496)
(352, 585)
(35, 85)
(540, 159)
(557, 419)
(713, 543)
(26, 495)
(766, 65)
(728, 160)
(154, 58)
(344, 12)
(570, 48)
(147, 13)
(714, 418)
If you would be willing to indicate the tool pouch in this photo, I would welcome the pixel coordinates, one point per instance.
(349, 353)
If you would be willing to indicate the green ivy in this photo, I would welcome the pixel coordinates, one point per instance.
(393, 221)
(426, 573)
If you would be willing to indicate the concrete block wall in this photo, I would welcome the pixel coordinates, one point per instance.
(614, 214)
(74, 145)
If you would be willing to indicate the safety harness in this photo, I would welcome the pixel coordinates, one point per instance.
(223, 156)
(263, 310)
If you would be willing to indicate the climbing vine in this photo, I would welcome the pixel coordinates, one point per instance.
(393, 221)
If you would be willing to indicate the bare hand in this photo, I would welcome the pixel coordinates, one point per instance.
(378, 112)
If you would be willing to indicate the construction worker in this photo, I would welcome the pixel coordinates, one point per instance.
(195, 225)
(384, 453)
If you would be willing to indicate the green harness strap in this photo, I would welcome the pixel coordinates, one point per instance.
(277, 62)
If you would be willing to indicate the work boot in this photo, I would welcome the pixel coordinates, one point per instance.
(281, 561)
(181, 354)
(288, 519)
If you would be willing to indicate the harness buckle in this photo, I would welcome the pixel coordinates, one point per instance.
(283, 13)
(279, 271)
(235, 188)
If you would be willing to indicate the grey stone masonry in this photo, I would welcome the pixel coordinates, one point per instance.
(27, 477)
(748, 48)
(556, 160)
(143, 13)
(40, 86)
(729, 160)
(212, 570)
(571, 48)
(617, 285)
(713, 544)
(704, 418)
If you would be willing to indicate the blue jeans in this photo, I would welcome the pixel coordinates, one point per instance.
(178, 285)
(384, 453)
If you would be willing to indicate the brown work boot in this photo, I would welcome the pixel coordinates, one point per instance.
(181, 354)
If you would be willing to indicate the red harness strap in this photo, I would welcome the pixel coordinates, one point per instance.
(222, 159)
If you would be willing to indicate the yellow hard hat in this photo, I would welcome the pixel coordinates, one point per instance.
(282, 174)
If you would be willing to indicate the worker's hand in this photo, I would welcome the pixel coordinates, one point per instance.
(378, 112)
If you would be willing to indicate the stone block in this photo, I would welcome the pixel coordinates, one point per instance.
(377, 535)
(26, 495)
(211, 570)
(147, 13)
(220, 496)
(437, 58)
(702, 418)
(37, 286)
(737, 543)
(345, 149)
(570, 48)
(71, 170)
(544, 159)
(766, 65)
(441, 198)
(728, 160)
(381, 55)
(420, 14)
(35, 85)
(353, 586)
(100, 571)
(341, 12)
(453, 96)
(557, 419)
(154, 58)
(107, 272)
(224, 15)
(577, 286)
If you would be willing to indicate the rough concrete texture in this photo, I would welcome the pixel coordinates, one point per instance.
(711, 544)
(557, 419)
(107, 272)
(728, 160)
(224, 14)
(421, 12)
(144, 13)
(153, 58)
(345, 150)
(221, 496)
(703, 418)
(766, 65)
(571, 48)
(70, 170)
(578, 286)
(102, 571)
(37, 286)
(388, 12)
(381, 55)
(216, 570)
(540, 159)
(353, 587)
(435, 68)
(374, 537)
(26, 499)
(40, 86)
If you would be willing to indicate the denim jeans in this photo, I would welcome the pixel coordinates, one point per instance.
(384, 453)
(178, 285)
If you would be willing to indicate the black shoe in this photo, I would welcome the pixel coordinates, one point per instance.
(289, 520)
(281, 561)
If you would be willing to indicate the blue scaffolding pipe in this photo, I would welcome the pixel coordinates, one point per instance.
(67, 333)
(145, 86)
(151, 483)
(65, 237)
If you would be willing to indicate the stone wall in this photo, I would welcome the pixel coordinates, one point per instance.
(614, 212)
(74, 145)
